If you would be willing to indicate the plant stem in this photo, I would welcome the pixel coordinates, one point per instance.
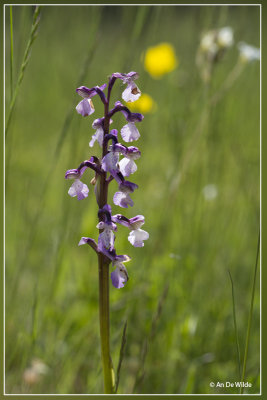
(235, 326)
(103, 271)
(250, 316)
(108, 371)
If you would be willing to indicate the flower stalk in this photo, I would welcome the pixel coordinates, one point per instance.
(110, 168)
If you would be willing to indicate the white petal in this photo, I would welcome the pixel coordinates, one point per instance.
(137, 237)
(127, 167)
(78, 189)
(85, 107)
(110, 161)
(129, 132)
(99, 135)
(131, 93)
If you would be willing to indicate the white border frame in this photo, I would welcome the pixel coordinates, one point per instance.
(132, 5)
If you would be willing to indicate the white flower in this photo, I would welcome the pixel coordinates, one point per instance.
(208, 41)
(225, 37)
(248, 53)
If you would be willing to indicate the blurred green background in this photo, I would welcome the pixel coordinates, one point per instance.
(198, 183)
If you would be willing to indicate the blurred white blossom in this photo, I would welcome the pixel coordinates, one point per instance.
(210, 192)
(225, 37)
(247, 52)
(212, 47)
(34, 373)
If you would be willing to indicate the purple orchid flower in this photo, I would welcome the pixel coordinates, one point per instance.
(120, 276)
(122, 198)
(86, 107)
(78, 188)
(127, 165)
(99, 135)
(132, 92)
(98, 124)
(137, 235)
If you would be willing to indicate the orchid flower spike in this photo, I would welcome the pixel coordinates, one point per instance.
(116, 164)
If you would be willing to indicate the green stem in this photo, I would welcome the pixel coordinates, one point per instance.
(250, 316)
(108, 371)
(235, 326)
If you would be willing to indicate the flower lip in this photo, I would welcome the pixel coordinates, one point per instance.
(78, 189)
(120, 276)
(85, 107)
(122, 199)
(137, 237)
(131, 93)
(129, 132)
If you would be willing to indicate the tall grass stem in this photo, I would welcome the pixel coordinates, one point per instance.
(123, 343)
(26, 57)
(235, 326)
(250, 316)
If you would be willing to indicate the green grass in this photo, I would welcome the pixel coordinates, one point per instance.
(52, 285)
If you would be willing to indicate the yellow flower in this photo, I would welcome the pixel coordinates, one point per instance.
(160, 59)
(144, 104)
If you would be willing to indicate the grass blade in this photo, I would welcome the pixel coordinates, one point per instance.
(141, 372)
(123, 343)
(250, 316)
(26, 57)
(235, 325)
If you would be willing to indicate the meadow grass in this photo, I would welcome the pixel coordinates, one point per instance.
(178, 302)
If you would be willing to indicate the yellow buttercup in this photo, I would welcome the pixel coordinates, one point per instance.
(160, 59)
